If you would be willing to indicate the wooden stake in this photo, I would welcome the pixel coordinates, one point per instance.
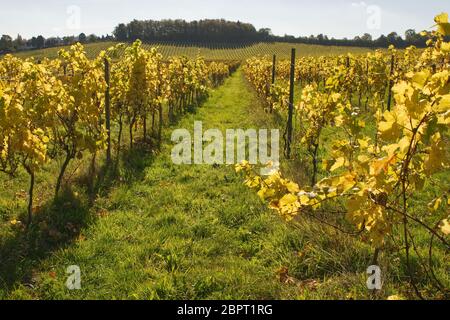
(289, 128)
(108, 111)
(274, 70)
(391, 82)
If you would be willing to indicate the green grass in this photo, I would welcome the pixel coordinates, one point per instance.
(163, 231)
(168, 232)
(282, 50)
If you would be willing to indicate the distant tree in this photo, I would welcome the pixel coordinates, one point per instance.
(40, 42)
(6, 43)
(53, 42)
(68, 40)
(92, 38)
(32, 42)
(19, 42)
(382, 41)
(135, 30)
(367, 37)
(410, 35)
(265, 33)
(394, 39)
(121, 32)
(413, 38)
(82, 38)
(289, 38)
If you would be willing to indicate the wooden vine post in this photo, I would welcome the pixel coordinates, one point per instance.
(391, 83)
(108, 111)
(274, 68)
(274, 71)
(290, 128)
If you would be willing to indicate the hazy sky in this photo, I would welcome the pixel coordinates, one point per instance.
(336, 18)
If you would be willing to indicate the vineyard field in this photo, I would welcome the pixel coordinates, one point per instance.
(274, 171)
(214, 52)
(227, 240)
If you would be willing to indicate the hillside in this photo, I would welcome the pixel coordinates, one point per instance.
(214, 52)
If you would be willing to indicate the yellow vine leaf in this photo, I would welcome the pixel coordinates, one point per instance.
(435, 204)
(442, 24)
(395, 297)
(338, 164)
(445, 227)
(445, 47)
(443, 104)
(420, 78)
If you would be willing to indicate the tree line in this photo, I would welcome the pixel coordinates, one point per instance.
(219, 31)
(411, 38)
(222, 31)
(9, 45)
(216, 31)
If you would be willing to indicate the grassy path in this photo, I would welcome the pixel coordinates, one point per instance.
(177, 232)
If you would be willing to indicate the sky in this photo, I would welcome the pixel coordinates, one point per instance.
(335, 18)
